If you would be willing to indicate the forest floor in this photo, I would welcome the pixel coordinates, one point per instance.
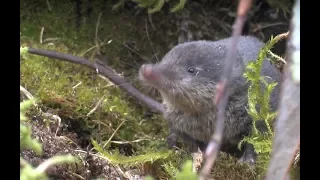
(123, 39)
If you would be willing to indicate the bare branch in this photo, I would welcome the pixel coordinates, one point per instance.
(106, 71)
(222, 91)
(287, 129)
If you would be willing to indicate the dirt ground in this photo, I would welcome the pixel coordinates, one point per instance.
(91, 165)
(196, 21)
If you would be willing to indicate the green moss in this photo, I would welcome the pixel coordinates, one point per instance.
(72, 91)
(259, 108)
(116, 158)
(225, 167)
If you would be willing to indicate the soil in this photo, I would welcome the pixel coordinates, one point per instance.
(90, 165)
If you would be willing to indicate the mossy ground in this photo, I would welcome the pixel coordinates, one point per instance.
(72, 91)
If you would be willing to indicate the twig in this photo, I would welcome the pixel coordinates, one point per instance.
(113, 134)
(287, 129)
(41, 35)
(96, 106)
(105, 71)
(48, 4)
(96, 46)
(50, 39)
(222, 90)
(93, 47)
(107, 80)
(129, 142)
(74, 87)
(54, 117)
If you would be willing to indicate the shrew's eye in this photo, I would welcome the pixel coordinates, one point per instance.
(191, 70)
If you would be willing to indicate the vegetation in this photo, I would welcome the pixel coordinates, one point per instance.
(156, 5)
(259, 107)
(28, 172)
(153, 5)
(72, 91)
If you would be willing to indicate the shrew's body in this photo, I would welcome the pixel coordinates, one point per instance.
(186, 79)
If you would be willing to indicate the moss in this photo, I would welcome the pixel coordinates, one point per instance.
(225, 167)
(56, 84)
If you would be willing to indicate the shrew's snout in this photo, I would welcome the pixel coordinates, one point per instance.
(148, 72)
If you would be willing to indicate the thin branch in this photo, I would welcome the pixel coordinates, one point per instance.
(113, 134)
(222, 91)
(74, 87)
(106, 71)
(287, 129)
(96, 106)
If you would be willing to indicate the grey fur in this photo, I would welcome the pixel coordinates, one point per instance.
(188, 97)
